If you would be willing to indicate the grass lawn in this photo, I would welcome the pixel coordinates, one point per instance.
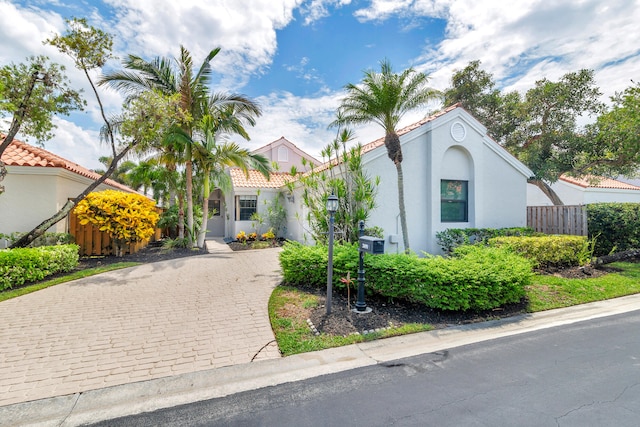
(548, 292)
(13, 293)
(289, 318)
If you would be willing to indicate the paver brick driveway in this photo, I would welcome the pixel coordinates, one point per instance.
(140, 323)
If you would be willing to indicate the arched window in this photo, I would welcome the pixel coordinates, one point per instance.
(283, 154)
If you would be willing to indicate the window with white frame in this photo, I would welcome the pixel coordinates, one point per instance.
(454, 200)
(245, 207)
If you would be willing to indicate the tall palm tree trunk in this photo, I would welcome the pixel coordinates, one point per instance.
(205, 210)
(189, 185)
(403, 211)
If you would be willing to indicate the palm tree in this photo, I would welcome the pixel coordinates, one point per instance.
(118, 175)
(159, 74)
(212, 157)
(149, 175)
(384, 98)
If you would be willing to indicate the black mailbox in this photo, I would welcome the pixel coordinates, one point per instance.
(371, 245)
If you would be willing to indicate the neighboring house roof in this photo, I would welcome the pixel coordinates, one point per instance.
(283, 140)
(255, 179)
(590, 181)
(20, 153)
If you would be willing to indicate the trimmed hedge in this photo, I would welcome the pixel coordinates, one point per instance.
(23, 265)
(549, 251)
(451, 238)
(614, 226)
(475, 278)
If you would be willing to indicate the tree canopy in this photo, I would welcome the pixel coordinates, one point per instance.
(543, 128)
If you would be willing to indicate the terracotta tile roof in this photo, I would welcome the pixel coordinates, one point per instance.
(20, 153)
(590, 181)
(256, 180)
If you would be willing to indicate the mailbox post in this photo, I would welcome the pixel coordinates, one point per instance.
(371, 245)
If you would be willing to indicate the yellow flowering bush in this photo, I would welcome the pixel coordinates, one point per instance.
(241, 237)
(269, 235)
(126, 217)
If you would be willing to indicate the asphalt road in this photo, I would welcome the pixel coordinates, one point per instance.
(585, 374)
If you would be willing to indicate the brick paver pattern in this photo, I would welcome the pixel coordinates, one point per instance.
(140, 323)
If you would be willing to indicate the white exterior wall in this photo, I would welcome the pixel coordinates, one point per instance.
(33, 194)
(572, 194)
(504, 195)
(605, 195)
(234, 227)
(296, 217)
(496, 182)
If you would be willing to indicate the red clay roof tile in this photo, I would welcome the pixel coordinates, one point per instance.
(256, 180)
(590, 181)
(20, 153)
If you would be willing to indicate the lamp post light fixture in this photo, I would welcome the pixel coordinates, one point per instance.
(332, 207)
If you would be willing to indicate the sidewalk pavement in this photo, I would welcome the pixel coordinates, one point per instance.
(152, 394)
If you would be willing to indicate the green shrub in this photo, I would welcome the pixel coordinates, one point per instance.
(549, 251)
(451, 238)
(614, 226)
(24, 265)
(475, 278)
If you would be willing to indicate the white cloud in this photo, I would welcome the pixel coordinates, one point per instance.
(245, 30)
(303, 121)
(77, 144)
(318, 9)
(528, 40)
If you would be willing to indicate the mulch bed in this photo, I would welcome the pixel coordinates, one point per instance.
(153, 252)
(386, 313)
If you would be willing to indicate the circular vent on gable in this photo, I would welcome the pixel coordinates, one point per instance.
(458, 131)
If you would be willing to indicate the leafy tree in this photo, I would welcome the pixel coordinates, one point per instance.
(476, 91)
(159, 74)
(616, 137)
(344, 177)
(126, 217)
(549, 140)
(541, 129)
(142, 122)
(31, 93)
(384, 98)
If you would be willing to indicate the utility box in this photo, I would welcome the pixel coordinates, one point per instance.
(371, 245)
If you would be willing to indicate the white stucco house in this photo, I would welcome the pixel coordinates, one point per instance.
(455, 176)
(251, 193)
(38, 184)
(585, 190)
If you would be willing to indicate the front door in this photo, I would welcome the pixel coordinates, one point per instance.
(215, 224)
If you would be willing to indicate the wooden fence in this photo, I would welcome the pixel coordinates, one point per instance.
(94, 242)
(558, 219)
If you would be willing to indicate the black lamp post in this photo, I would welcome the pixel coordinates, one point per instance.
(332, 207)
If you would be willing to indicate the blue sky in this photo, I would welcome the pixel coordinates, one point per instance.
(295, 56)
